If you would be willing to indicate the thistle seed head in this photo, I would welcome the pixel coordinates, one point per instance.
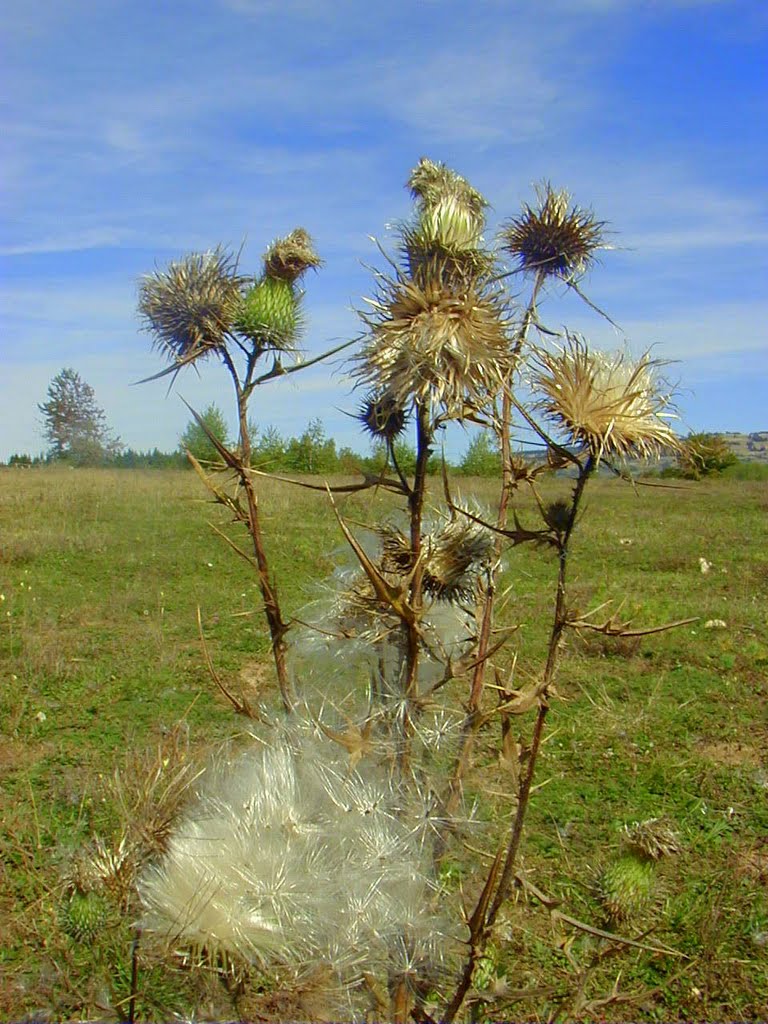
(457, 552)
(289, 258)
(429, 342)
(190, 307)
(554, 238)
(557, 515)
(607, 403)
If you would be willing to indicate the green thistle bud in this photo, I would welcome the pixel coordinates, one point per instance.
(270, 314)
(84, 915)
(626, 886)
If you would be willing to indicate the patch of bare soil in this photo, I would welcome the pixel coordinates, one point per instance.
(15, 754)
(733, 754)
(752, 862)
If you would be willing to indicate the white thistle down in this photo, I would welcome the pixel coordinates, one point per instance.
(287, 857)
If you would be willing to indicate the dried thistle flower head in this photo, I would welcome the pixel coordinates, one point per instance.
(433, 343)
(450, 211)
(457, 551)
(190, 307)
(652, 839)
(555, 238)
(290, 257)
(608, 403)
(381, 416)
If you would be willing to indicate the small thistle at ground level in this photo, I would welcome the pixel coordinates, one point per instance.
(626, 887)
(83, 915)
(553, 238)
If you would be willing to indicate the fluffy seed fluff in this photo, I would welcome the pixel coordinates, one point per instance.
(554, 238)
(287, 857)
(608, 403)
(190, 307)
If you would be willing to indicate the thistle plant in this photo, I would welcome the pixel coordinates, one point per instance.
(627, 882)
(321, 842)
(203, 306)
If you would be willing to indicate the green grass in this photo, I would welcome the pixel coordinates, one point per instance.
(101, 575)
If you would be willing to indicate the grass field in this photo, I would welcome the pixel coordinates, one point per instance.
(101, 573)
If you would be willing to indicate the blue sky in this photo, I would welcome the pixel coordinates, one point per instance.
(134, 132)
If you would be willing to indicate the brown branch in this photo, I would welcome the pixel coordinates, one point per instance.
(242, 707)
(612, 628)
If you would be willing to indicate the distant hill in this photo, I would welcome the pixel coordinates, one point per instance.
(748, 447)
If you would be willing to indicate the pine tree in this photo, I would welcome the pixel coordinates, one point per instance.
(74, 424)
(195, 439)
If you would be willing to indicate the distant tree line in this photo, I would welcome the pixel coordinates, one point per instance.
(76, 429)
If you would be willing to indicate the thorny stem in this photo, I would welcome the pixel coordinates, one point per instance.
(482, 923)
(415, 598)
(277, 625)
(474, 718)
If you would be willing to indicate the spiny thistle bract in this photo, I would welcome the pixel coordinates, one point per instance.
(381, 416)
(190, 307)
(553, 239)
(626, 887)
(83, 915)
(270, 313)
(433, 343)
(608, 403)
(288, 857)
